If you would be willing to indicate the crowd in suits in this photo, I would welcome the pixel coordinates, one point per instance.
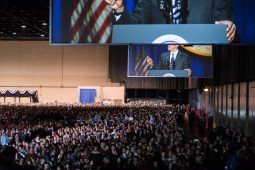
(128, 136)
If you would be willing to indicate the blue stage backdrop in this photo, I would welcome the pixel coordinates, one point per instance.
(244, 19)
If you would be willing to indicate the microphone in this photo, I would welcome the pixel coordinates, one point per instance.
(171, 10)
(178, 4)
(172, 63)
(166, 8)
(162, 5)
(167, 62)
(177, 14)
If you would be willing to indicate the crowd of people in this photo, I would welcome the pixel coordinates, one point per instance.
(128, 136)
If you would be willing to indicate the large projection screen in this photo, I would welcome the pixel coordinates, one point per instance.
(91, 22)
(196, 58)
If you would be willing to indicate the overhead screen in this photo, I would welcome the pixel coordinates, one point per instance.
(195, 61)
(91, 22)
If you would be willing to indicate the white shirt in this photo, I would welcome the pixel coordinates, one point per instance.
(173, 54)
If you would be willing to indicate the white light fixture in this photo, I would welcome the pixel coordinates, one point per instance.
(206, 89)
(44, 23)
(23, 26)
(14, 33)
(42, 35)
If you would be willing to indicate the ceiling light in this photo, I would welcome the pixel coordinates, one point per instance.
(23, 26)
(44, 23)
(14, 33)
(42, 35)
(206, 89)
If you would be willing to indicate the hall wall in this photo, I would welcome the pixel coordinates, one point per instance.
(55, 71)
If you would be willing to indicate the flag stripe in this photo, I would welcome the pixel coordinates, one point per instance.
(91, 22)
(141, 67)
(95, 9)
(78, 15)
(103, 29)
(81, 11)
(93, 26)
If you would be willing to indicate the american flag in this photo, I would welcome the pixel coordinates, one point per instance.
(91, 22)
(142, 67)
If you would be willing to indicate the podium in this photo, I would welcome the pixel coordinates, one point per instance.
(168, 73)
(169, 34)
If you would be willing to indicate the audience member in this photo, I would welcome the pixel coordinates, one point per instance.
(128, 136)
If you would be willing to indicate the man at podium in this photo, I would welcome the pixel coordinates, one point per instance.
(176, 12)
(173, 59)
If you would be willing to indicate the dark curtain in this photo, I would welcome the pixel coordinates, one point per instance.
(233, 63)
(118, 63)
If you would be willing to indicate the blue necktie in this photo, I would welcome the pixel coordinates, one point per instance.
(172, 63)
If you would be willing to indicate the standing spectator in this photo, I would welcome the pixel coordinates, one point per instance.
(4, 140)
(201, 124)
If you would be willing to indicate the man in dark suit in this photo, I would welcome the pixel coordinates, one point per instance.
(173, 59)
(191, 12)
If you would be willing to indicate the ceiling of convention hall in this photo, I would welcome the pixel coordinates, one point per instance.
(24, 20)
